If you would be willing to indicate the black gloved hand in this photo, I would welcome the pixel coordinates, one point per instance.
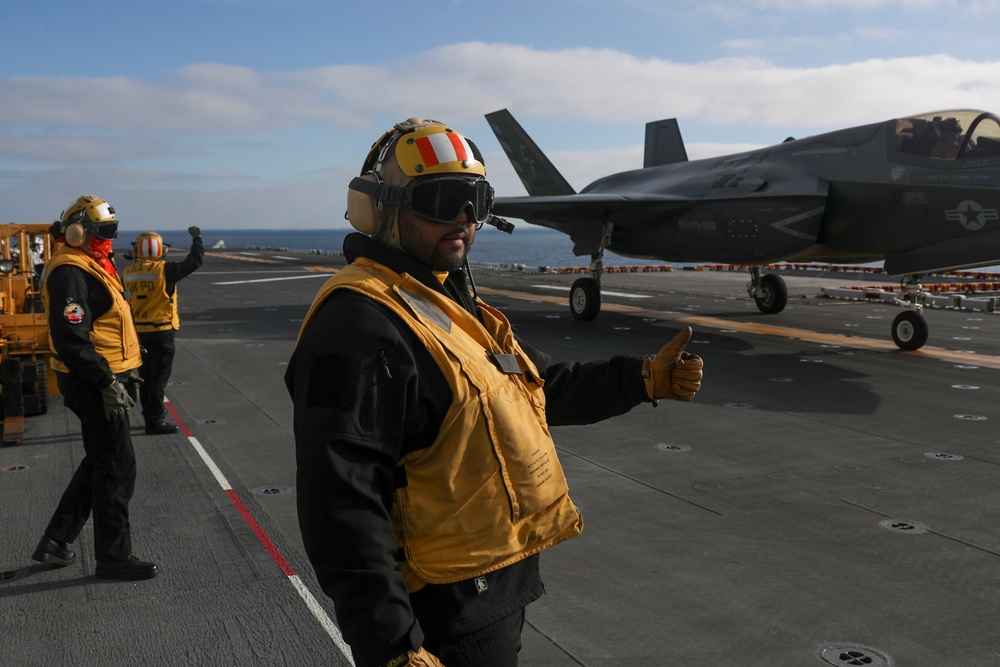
(116, 401)
(132, 384)
(195, 232)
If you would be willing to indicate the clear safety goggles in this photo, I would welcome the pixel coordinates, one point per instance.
(444, 200)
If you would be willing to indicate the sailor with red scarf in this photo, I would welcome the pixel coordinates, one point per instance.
(96, 354)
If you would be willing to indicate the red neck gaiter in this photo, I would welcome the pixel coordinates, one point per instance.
(102, 251)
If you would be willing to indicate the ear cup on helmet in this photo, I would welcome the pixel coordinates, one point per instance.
(362, 209)
(75, 235)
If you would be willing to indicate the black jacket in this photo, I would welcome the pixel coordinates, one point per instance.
(174, 272)
(351, 431)
(70, 284)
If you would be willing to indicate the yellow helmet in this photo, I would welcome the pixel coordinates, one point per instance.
(413, 148)
(150, 245)
(94, 209)
(88, 216)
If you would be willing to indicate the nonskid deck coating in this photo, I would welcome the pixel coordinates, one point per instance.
(753, 526)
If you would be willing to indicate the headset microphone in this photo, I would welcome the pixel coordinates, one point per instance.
(501, 224)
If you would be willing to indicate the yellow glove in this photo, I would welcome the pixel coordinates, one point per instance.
(673, 373)
(422, 658)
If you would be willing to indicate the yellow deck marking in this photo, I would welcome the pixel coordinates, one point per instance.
(847, 341)
(246, 258)
(927, 351)
(562, 300)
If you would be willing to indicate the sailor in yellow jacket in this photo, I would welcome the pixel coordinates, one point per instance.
(96, 354)
(152, 282)
(428, 483)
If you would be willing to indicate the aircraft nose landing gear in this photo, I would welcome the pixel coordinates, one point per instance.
(909, 329)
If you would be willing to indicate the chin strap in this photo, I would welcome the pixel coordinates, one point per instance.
(468, 274)
(383, 193)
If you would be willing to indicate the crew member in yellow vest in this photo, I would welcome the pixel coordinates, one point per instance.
(152, 281)
(428, 483)
(96, 354)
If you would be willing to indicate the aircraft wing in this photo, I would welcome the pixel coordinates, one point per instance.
(671, 227)
(669, 210)
(582, 216)
(569, 209)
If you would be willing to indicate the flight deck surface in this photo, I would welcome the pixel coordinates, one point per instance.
(825, 499)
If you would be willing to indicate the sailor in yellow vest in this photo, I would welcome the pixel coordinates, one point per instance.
(428, 482)
(96, 354)
(152, 281)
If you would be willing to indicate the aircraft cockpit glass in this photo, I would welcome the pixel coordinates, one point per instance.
(949, 135)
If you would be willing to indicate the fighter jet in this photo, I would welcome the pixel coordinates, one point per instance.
(921, 194)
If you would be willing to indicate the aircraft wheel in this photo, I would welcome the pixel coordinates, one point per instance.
(585, 299)
(774, 294)
(909, 330)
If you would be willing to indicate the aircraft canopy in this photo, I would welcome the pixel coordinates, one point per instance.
(950, 135)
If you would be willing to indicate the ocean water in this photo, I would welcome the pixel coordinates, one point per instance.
(530, 246)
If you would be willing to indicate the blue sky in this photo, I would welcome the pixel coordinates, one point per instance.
(256, 113)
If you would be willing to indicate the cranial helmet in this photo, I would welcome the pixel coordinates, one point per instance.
(150, 245)
(88, 217)
(412, 149)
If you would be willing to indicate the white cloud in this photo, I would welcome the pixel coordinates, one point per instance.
(190, 132)
(611, 86)
(465, 80)
(800, 6)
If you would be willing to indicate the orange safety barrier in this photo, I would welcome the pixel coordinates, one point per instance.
(989, 281)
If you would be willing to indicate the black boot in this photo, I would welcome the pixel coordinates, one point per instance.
(52, 552)
(130, 568)
(160, 428)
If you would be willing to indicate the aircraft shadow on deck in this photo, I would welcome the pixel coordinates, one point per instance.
(805, 381)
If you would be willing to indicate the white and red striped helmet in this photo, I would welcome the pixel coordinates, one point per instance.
(436, 149)
(150, 245)
(411, 149)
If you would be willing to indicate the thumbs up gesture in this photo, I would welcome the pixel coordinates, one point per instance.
(673, 373)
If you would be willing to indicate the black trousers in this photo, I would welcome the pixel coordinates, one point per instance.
(157, 362)
(496, 645)
(105, 479)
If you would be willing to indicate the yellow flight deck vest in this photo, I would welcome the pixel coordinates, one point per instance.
(490, 490)
(152, 308)
(113, 334)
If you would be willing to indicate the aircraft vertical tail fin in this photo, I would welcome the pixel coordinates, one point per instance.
(538, 174)
(664, 144)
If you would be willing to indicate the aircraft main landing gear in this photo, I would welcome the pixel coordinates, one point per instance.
(585, 294)
(585, 299)
(768, 291)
